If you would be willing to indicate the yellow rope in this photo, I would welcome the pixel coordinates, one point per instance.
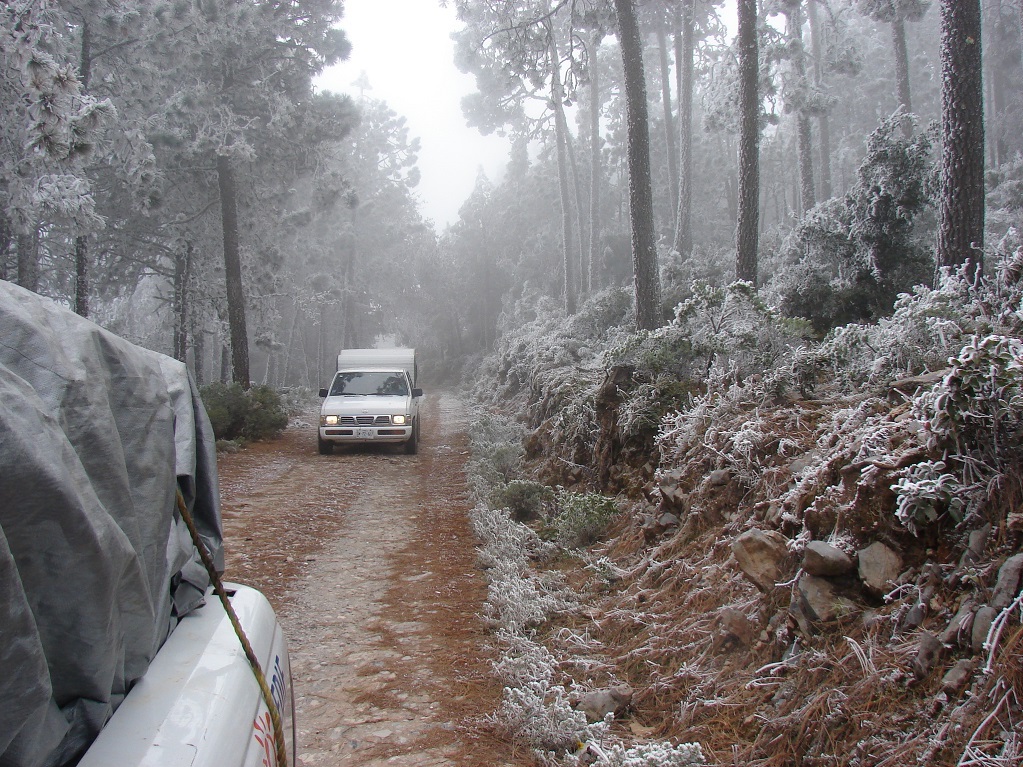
(257, 670)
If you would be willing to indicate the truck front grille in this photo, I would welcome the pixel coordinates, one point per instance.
(365, 420)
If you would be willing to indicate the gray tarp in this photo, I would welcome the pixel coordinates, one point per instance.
(96, 564)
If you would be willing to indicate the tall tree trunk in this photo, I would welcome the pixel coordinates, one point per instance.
(684, 51)
(233, 273)
(28, 260)
(823, 123)
(961, 198)
(995, 58)
(641, 207)
(198, 355)
(182, 271)
(902, 73)
(747, 227)
(595, 164)
(670, 137)
(808, 197)
(577, 214)
(561, 139)
(81, 242)
(82, 276)
(6, 237)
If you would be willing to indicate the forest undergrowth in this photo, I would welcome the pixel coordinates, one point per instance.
(723, 543)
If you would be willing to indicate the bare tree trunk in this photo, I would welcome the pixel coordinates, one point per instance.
(595, 164)
(747, 227)
(561, 139)
(81, 243)
(6, 237)
(823, 123)
(902, 73)
(641, 206)
(670, 146)
(684, 49)
(199, 356)
(182, 269)
(961, 198)
(808, 197)
(82, 276)
(28, 260)
(233, 273)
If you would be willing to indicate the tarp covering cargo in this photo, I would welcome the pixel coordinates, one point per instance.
(96, 565)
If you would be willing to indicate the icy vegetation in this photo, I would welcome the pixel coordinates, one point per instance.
(724, 541)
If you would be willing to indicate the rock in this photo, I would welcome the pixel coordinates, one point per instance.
(825, 560)
(878, 567)
(957, 677)
(819, 601)
(656, 525)
(975, 548)
(915, 616)
(733, 629)
(982, 621)
(719, 477)
(928, 653)
(1008, 582)
(761, 555)
(960, 625)
(673, 498)
(597, 704)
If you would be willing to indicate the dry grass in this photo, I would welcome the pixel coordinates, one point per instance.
(845, 695)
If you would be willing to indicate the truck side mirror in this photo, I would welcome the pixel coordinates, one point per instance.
(417, 393)
(323, 392)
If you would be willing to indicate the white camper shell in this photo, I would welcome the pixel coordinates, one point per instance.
(373, 398)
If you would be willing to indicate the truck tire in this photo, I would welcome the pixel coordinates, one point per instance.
(412, 445)
(325, 446)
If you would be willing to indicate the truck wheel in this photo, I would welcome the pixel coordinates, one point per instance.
(412, 445)
(325, 446)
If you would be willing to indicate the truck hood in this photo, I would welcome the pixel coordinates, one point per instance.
(364, 405)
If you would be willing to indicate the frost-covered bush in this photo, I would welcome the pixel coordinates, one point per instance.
(517, 596)
(252, 415)
(977, 409)
(496, 452)
(525, 499)
(653, 755)
(925, 490)
(974, 420)
(851, 256)
(579, 519)
(539, 714)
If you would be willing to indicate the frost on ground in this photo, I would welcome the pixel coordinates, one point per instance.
(817, 559)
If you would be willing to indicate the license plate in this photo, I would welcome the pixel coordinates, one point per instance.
(365, 433)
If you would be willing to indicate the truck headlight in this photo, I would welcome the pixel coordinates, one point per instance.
(329, 420)
(399, 420)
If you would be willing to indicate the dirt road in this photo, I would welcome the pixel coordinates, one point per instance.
(368, 558)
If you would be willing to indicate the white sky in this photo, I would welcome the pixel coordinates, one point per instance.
(405, 48)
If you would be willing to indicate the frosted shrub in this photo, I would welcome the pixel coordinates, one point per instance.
(923, 491)
(496, 452)
(540, 714)
(978, 406)
(523, 660)
(524, 499)
(581, 518)
(654, 755)
(517, 601)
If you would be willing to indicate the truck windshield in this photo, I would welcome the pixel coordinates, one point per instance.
(362, 384)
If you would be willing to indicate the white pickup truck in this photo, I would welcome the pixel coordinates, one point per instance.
(373, 398)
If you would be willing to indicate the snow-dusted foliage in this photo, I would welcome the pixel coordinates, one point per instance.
(654, 755)
(537, 707)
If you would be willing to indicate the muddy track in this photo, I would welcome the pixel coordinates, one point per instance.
(368, 558)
